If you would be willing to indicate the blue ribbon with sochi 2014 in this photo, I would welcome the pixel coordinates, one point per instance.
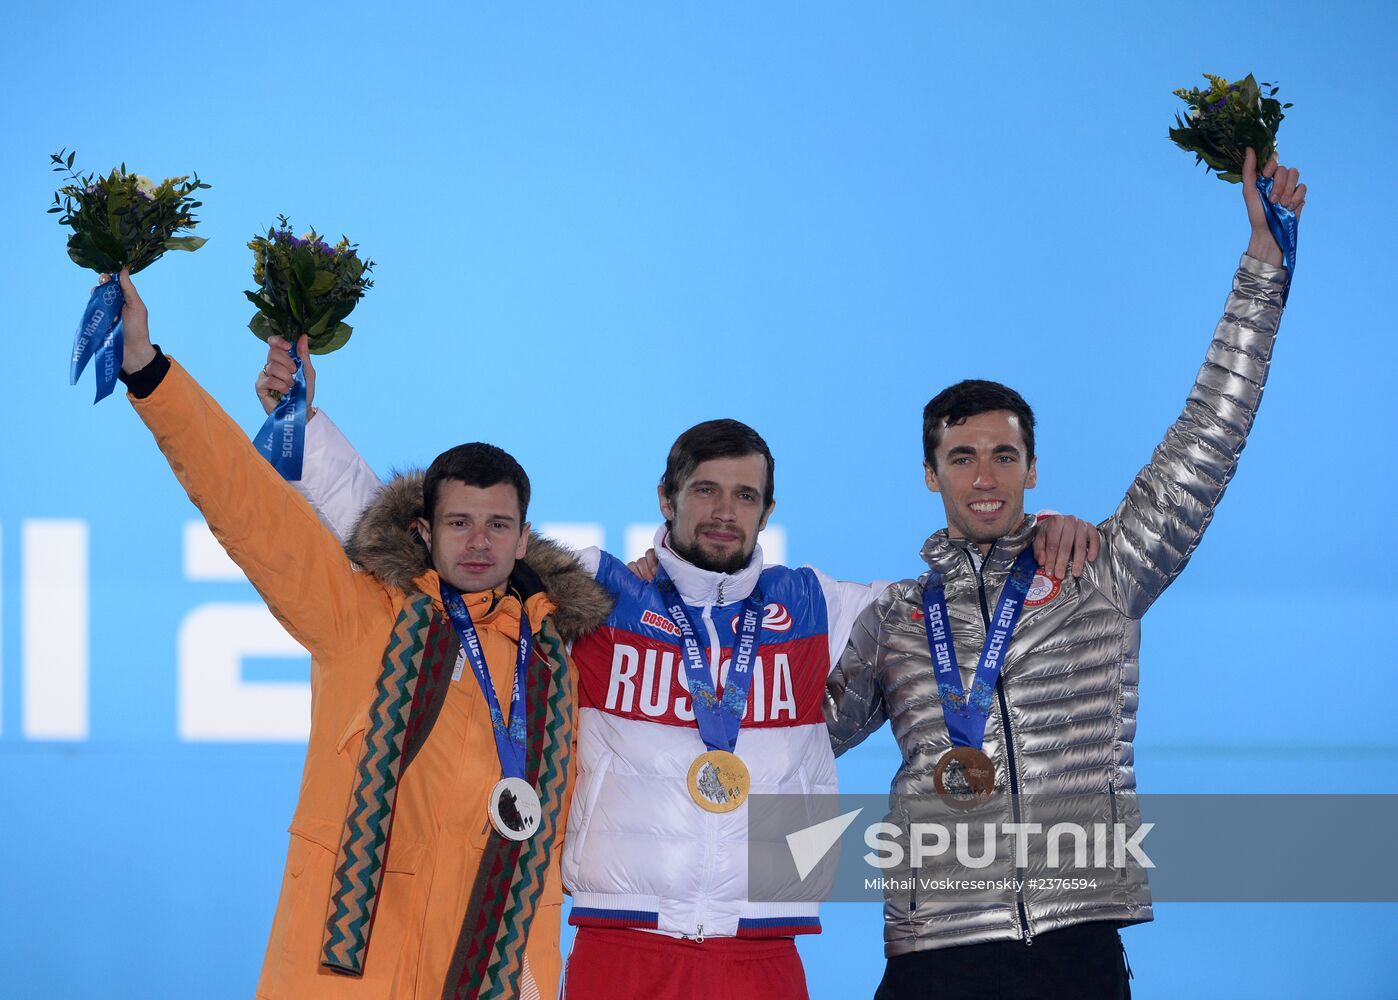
(719, 717)
(511, 735)
(99, 337)
(283, 436)
(967, 714)
(1282, 221)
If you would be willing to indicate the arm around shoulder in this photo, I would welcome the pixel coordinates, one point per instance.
(854, 699)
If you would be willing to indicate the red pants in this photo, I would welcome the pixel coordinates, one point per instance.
(634, 965)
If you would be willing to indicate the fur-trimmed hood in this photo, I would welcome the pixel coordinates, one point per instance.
(385, 543)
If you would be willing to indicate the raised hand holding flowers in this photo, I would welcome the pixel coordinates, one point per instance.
(1226, 119)
(1223, 123)
(119, 221)
(305, 287)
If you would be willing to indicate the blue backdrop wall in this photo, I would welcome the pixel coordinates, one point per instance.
(807, 216)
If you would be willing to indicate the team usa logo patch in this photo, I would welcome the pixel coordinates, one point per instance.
(775, 619)
(1042, 589)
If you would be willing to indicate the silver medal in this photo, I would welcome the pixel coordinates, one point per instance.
(514, 809)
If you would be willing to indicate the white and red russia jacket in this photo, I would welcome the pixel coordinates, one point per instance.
(638, 851)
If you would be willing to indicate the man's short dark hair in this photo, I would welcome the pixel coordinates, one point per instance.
(715, 439)
(955, 404)
(475, 464)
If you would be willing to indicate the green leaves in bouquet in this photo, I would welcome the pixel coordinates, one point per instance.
(123, 219)
(1225, 120)
(306, 286)
(337, 339)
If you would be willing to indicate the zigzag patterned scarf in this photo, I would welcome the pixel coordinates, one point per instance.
(489, 954)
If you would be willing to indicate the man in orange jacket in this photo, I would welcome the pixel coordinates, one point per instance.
(425, 845)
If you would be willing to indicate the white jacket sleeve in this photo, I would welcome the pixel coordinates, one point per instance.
(843, 603)
(335, 480)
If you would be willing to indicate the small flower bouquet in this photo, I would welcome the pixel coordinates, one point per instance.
(124, 220)
(305, 285)
(1225, 120)
(120, 220)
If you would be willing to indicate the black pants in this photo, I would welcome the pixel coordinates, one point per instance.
(1082, 962)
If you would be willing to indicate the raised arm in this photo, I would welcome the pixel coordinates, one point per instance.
(267, 529)
(1153, 533)
(335, 480)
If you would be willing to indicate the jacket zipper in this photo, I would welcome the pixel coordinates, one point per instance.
(715, 654)
(1009, 750)
(710, 836)
(1111, 798)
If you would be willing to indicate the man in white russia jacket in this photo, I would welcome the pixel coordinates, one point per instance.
(659, 878)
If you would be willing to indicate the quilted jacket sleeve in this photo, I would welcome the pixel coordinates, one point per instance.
(1153, 533)
(854, 701)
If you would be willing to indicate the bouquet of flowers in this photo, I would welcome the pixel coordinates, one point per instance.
(1225, 120)
(124, 220)
(306, 285)
(120, 220)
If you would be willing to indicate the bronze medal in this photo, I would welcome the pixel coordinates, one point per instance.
(719, 781)
(964, 777)
(514, 809)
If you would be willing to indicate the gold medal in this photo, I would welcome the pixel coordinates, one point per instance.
(964, 777)
(719, 781)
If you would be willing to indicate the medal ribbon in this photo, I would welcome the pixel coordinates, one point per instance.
(99, 336)
(1283, 222)
(719, 718)
(283, 436)
(510, 738)
(966, 716)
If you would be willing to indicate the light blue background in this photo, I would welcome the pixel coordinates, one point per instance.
(597, 227)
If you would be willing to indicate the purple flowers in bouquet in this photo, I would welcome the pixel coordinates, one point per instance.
(124, 220)
(1226, 119)
(305, 285)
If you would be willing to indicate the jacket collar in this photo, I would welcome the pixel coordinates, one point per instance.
(703, 587)
(940, 548)
(480, 604)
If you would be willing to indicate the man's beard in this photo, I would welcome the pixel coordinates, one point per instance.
(696, 557)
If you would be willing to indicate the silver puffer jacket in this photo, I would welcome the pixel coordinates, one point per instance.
(1065, 711)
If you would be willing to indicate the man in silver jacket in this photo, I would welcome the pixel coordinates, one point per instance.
(1061, 723)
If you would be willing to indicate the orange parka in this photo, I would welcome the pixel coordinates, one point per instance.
(395, 885)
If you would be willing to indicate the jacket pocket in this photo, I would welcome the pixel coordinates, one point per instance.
(357, 724)
(310, 882)
(293, 951)
(587, 790)
(404, 855)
